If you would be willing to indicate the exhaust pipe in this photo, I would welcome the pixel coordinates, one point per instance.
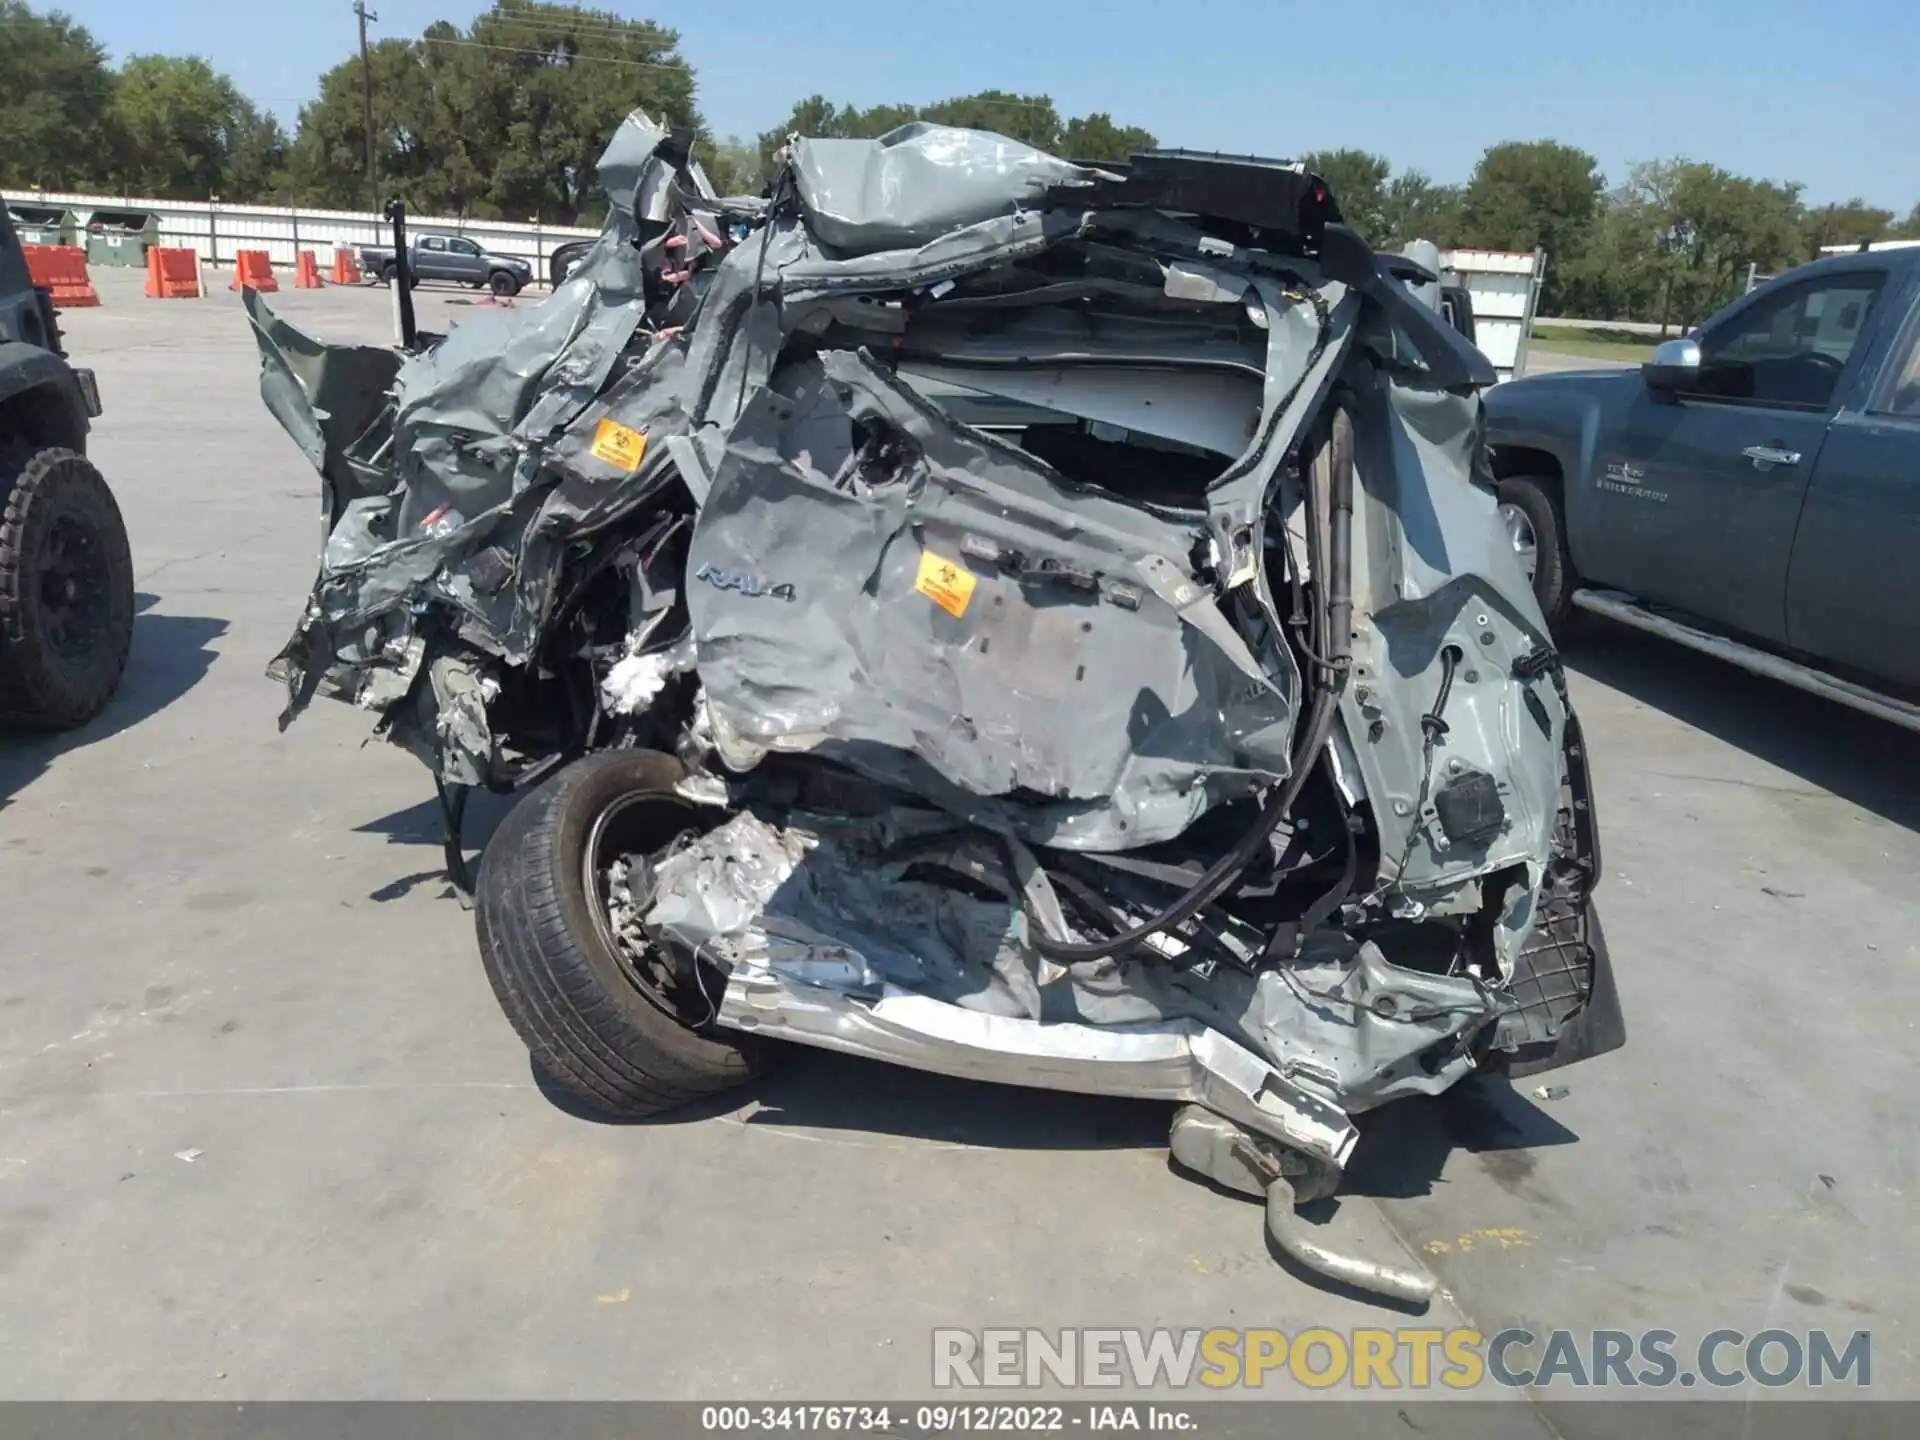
(1290, 1233)
(1213, 1146)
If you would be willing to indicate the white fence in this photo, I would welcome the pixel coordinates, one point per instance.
(215, 231)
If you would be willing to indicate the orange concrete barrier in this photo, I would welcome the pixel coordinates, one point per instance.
(62, 269)
(252, 271)
(172, 274)
(346, 269)
(306, 271)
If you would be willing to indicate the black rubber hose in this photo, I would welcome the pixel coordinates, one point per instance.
(1219, 875)
(1336, 633)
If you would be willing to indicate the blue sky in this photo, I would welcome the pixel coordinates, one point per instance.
(1825, 93)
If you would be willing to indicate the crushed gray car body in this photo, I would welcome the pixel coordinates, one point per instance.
(1074, 598)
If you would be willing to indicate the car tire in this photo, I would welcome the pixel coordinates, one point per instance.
(66, 590)
(389, 272)
(1537, 498)
(563, 260)
(595, 1027)
(503, 284)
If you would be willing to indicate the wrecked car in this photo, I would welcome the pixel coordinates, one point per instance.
(1020, 620)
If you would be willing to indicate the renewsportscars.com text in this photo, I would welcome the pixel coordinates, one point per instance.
(1400, 1358)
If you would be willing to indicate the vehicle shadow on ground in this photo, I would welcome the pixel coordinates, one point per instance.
(1402, 1152)
(169, 656)
(819, 1090)
(421, 825)
(1404, 1147)
(1873, 764)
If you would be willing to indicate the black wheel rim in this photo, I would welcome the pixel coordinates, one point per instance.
(646, 823)
(75, 603)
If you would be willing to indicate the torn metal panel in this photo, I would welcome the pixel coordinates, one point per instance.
(947, 614)
(332, 399)
(794, 913)
(1429, 582)
(1214, 412)
(917, 183)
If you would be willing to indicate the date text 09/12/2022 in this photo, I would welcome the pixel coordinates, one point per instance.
(948, 1419)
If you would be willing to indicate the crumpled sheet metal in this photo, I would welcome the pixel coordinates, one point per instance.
(917, 183)
(938, 611)
(1431, 571)
(1098, 718)
(870, 582)
(325, 396)
(472, 519)
(816, 903)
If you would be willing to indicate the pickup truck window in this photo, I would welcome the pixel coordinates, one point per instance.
(463, 247)
(1791, 348)
(432, 242)
(1903, 396)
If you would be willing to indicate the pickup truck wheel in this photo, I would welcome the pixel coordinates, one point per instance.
(66, 590)
(1530, 516)
(623, 1027)
(501, 283)
(389, 272)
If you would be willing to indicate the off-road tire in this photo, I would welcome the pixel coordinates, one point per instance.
(43, 684)
(587, 1022)
(501, 283)
(1553, 578)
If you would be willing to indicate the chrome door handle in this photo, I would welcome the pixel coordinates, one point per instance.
(1765, 455)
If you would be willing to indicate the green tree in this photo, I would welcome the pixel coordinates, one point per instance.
(256, 160)
(327, 164)
(1696, 229)
(504, 119)
(1533, 194)
(1848, 224)
(734, 166)
(1727, 223)
(1621, 272)
(1909, 228)
(1358, 180)
(538, 89)
(1096, 137)
(55, 94)
(183, 131)
(1415, 208)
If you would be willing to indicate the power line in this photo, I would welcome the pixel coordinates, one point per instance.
(682, 68)
(621, 29)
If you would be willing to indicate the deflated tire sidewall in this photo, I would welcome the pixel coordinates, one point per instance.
(575, 1005)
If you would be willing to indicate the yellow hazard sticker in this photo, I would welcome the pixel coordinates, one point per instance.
(947, 583)
(618, 446)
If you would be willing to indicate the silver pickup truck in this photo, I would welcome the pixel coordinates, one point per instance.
(1753, 491)
(434, 256)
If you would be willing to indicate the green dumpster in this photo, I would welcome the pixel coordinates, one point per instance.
(42, 224)
(121, 237)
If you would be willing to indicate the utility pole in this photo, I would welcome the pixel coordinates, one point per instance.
(366, 95)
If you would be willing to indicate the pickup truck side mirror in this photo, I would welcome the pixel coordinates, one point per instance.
(1675, 366)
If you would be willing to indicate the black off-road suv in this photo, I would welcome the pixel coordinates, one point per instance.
(66, 575)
